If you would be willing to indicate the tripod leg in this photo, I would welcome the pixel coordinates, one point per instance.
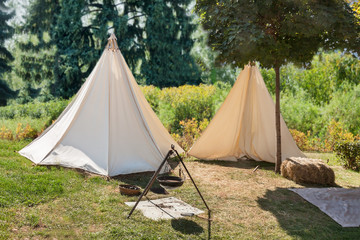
(151, 182)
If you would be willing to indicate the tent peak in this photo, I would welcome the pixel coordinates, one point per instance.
(112, 43)
(112, 36)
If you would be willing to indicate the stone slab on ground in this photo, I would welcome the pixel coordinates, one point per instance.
(165, 208)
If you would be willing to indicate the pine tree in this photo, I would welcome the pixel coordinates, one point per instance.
(168, 43)
(6, 32)
(75, 48)
(65, 39)
(37, 50)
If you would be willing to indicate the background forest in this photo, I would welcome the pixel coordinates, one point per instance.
(49, 47)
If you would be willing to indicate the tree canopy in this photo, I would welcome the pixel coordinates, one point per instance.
(276, 32)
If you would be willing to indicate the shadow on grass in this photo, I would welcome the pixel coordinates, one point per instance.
(186, 226)
(141, 180)
(301, 219)
(241, 163)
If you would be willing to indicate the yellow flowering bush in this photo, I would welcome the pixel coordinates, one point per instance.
(25, 132)
(152, 95)
(336, 133)
(186, 102)
(301, 139)
(191, 129)
(6, 133)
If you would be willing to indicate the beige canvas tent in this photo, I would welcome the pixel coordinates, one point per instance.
(109, 128)
(245, 125)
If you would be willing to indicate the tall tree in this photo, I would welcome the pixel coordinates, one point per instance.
(6, 32)
(168, 43)
(65, 39)
(275, 32)
(75, 48)
(125, 19)
(37, 50)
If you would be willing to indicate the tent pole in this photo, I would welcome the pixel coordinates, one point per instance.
(146, 190)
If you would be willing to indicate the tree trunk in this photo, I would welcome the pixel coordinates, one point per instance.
(277, 121)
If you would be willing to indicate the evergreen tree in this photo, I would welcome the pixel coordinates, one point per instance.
(75, 48)
(168, 43)
(125, 24)
(5, 56)
(37, 50)
(65, 39)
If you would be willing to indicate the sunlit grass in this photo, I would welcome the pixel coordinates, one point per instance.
(45, 203)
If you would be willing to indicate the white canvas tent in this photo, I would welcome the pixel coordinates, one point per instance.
(109, 128)
(245, 125)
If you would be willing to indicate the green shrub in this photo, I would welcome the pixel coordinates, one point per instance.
(345, 107)
(349, 154)
(186, 102)
(152, 95)
(301, 114)
(34, 110)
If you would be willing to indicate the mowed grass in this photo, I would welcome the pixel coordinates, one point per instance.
(38, 202)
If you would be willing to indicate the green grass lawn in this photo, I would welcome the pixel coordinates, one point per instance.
(38, 202)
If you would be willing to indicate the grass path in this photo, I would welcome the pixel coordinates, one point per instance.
(55, 203)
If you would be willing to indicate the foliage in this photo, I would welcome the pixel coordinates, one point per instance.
(277, 32)
(152, 95)
(61, 41)
(190, 130)
(26, 132)
(205, 58)
(6, 57)
(302, 114)
(168, 44)
(349, 154)
(49, 109)
(336, 133)
(301, 139)
(6, 133)
(345, 107)
(329, 73)
(35, 51)
(186, 102)
(75, 56)
(355, 5)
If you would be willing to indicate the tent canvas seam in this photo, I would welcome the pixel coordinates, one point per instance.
(142, 117)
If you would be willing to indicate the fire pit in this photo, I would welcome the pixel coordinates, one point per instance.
(170, 182)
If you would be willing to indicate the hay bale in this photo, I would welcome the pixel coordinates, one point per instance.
(307, 170)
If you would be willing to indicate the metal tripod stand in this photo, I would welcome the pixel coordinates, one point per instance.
(153, 178)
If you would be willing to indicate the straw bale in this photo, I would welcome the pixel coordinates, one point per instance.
(307, 170)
